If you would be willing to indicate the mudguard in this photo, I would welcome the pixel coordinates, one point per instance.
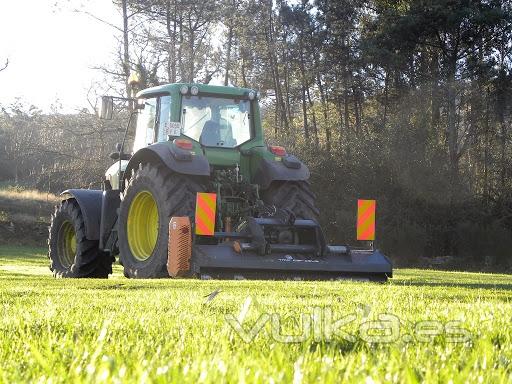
(173, 158)
(288, 169)
(89, 201)
(109, 205)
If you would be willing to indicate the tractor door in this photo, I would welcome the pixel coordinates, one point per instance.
(146, 123)
(153, 122)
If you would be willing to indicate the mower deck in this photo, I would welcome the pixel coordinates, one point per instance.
(221, 261)
(252, 255)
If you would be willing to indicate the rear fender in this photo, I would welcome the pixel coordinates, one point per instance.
(289, 168)
(177, 160)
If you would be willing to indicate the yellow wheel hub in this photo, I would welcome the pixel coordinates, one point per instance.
(67, 240)
(142, 225)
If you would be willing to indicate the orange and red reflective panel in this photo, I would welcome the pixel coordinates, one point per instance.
(366, 219)
(179, 248)
(206, 205)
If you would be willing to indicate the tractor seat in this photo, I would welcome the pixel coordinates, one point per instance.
(210, 135)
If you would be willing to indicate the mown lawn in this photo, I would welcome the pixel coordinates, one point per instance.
(121, 330)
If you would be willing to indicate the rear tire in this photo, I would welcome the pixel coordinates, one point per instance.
(70, 253)
(153, 195)
(295, 196)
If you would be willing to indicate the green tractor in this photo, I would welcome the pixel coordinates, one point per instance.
(200, 194)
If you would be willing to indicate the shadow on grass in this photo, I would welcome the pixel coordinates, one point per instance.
(127, 287)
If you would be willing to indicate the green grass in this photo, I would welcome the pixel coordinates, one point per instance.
(121, 330)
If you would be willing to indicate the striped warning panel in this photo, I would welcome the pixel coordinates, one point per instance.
(205, 213)
(366, 219)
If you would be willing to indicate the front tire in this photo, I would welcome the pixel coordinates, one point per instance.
(70, 253)
(152, 196)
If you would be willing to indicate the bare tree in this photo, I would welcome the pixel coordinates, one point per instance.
(125, 42)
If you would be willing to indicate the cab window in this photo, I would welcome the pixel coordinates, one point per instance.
(216, 121)
(164, 120)
(146, 120)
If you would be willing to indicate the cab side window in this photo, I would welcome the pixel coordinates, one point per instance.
(146, 120)
(164, 119)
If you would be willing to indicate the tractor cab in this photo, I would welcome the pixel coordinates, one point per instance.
(208, 116)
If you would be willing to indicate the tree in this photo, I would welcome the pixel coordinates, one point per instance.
(455, 30)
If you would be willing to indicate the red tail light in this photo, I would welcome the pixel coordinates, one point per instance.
(277, 150)
(183, 144)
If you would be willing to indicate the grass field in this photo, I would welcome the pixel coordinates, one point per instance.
(121, 330)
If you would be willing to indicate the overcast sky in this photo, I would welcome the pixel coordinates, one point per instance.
(51, 50)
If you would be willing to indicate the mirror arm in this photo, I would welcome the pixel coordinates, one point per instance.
(124, 98)
(129, 99)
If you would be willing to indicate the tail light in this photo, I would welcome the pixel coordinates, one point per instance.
(183, 144)
(277, 150)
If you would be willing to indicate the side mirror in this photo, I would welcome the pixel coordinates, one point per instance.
(106, 107)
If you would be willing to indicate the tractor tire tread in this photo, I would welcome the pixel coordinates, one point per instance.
(295, 196)
(177, 193)
(89, 260)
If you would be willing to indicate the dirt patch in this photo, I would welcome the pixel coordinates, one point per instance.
(31, 234)
(25, 217)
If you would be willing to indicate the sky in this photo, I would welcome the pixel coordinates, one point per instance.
(52, 50)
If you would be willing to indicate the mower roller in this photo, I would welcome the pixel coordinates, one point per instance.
(201, 195)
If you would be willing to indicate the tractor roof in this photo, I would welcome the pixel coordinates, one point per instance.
(175, 88)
